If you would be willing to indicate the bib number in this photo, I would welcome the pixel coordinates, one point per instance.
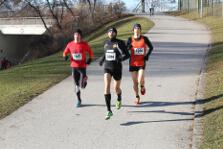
(110, 56)
(77, 56)
(138, 51)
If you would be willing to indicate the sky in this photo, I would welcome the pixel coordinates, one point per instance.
(131, 4)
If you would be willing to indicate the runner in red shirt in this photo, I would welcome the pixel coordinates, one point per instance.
(138, 46)
(77, 49)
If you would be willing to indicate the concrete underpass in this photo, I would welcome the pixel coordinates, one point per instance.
(16, 34)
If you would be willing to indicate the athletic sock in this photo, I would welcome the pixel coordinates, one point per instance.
(108, 101)
(119, 97)
(78, 95)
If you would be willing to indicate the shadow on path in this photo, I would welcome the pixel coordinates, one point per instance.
(199, 114)
(162, 104)
(163, 111)
(159, 121)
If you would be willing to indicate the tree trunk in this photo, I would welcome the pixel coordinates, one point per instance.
(54, 16)
(68, 8)
(2, 2)
(40, 15)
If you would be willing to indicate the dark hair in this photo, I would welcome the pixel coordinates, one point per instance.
(112, 29)
(78, 31)
(137, 26)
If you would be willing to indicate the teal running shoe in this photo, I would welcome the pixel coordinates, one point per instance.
(78, 104)
(109, 115)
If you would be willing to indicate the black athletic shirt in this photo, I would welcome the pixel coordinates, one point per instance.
(115, 51)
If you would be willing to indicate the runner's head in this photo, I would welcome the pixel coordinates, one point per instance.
(137, 26)
(137, 29)
(77, 35)
(112, 32)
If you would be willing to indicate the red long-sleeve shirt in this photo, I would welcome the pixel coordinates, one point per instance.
(77, 53)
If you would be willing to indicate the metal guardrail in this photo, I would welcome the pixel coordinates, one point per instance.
(25, 21)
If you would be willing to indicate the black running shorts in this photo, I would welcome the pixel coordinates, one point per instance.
(136, 68)
(116, 73)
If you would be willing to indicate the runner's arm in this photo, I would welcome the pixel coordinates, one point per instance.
(102, 59)
(66, 52)
(129, 43)
(149, 44)
(91, 54)
(125, 53)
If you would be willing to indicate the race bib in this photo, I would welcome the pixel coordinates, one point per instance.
(77, 56)
(110, 56)
(138, 51)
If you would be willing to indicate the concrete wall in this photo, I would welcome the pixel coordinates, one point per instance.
(16, 34)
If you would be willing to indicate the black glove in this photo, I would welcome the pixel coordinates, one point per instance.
(146, 58)
(66, 57)
(88, 61)
(100, 63)
(129, 47)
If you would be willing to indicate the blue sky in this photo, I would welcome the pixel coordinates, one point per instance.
(130, 4)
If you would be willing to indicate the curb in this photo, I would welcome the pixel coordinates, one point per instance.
(198, 109)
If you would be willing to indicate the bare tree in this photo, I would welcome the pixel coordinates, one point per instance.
(92, 8)
(53, 13)
(2, 2)
(6, 4)
(68, 8)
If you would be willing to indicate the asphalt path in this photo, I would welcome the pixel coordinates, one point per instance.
(164, 120)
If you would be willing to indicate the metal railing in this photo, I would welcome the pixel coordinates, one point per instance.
(204, 7)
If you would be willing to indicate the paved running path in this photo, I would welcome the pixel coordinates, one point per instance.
(163, 121)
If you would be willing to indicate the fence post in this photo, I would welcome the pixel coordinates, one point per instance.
(201, 8)
(143, 5)
(221, 8)
(188, 5)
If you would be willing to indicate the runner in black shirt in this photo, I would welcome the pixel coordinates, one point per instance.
(115, 52)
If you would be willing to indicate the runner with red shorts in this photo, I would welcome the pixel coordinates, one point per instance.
(77, 49)
(138, 46)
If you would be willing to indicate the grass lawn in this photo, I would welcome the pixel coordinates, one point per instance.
(213, 108)
(21, 83)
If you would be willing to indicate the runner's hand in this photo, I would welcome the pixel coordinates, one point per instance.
(100, 63)
(88, 61)
(66, 58)
(146, 58)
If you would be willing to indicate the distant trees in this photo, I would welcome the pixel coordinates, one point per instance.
(2, 2)
(67, 15)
